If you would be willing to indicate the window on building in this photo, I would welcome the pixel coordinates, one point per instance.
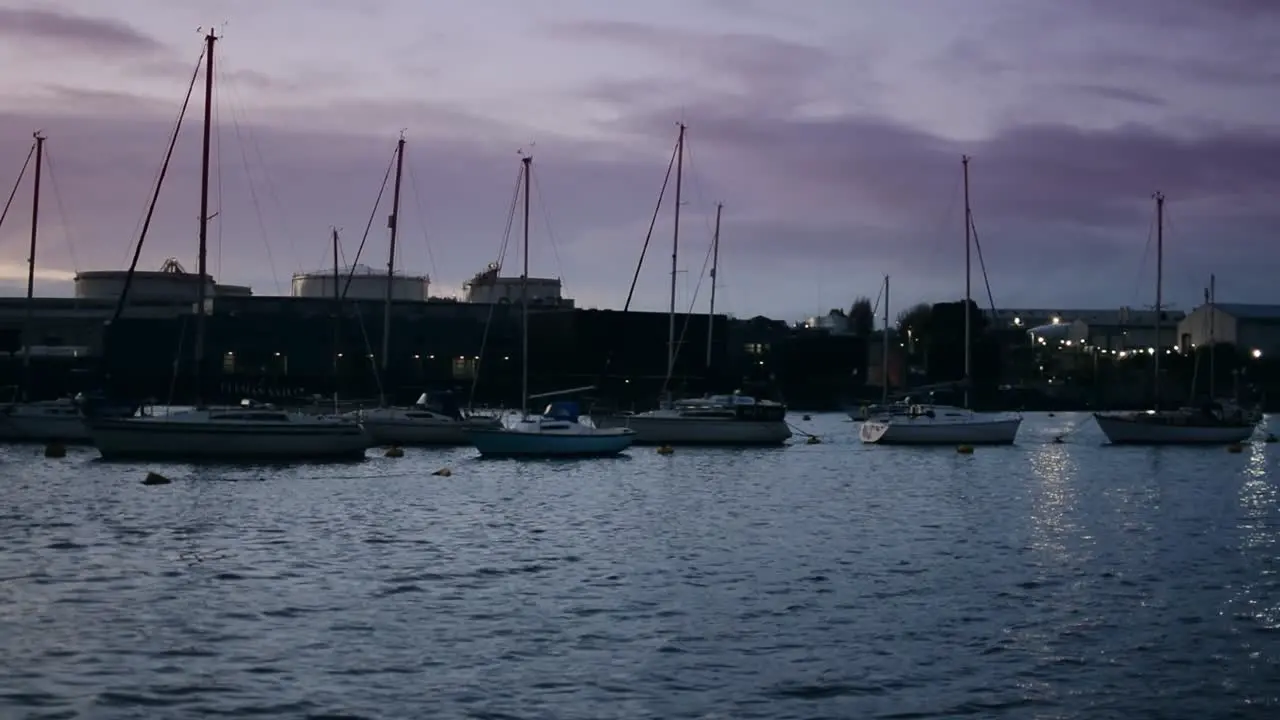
(228, 363)
(757, 348)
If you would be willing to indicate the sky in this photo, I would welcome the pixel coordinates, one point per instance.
(831, 130)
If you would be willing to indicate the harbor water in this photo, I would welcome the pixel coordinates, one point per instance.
(832, 580)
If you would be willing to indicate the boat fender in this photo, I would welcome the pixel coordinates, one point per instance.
(395, 452)
(965, 449)
(666, 450)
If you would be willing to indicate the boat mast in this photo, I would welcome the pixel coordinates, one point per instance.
(337, 322)
(884, 361)
(968, 275)
(524, 295)
(204, 218)
(1155, 364)
(1213, 310)
(675, 255)
(31, 271)
(715, 262)
(393, 222)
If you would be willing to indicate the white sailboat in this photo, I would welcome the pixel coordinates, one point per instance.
(557, 433)
(250, 432)
(1220, 422)
(724, 419)
(421, 424)
(928, 424)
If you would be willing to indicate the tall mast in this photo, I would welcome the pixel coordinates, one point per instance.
(337, 322)
(524, 295)
(884, 361)
(675, 255)
(393, 222)
(1155, 364)
(31, 270)
(715, 262)
(204, 218)
(1213, 311)
(968, 275)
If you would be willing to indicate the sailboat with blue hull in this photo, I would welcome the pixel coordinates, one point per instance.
(557, 433)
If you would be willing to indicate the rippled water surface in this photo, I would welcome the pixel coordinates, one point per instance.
(816, 581)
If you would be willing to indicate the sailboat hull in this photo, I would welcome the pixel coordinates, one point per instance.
(156, 438)
(652, 430)
(27, 424)
(389, 429)
(1131, 430)
(505, 443)
(922, 431)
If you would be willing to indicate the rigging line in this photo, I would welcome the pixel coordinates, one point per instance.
(377, 202)
(688, 318)
(1146, 254)
(17, 183)
(373, 214)
(271, 193)
(364, 332)
(511, 219)
(254, 197)
(648, 238)
(653, 221)
(217, 154)
(422, 219)
(982, 265)
(155, 197)
(488, 322)
(62, 212)
(546, 220)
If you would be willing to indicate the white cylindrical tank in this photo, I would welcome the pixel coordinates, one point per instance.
(146, 285)
(366, 284)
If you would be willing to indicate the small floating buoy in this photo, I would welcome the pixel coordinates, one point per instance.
(1235, 448)
(394, 452)
(813, 440)
(1270, 438)
(807, 418)
(665, 450)
(443, 472)
(1053, 415)
(965, 449)
(55, 450)
(154, 478)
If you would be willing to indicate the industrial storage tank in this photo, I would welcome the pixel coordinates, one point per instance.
(171, 283)
(366, 284)
(489, 287)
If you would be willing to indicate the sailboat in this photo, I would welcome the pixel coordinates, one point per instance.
(1215, 423)
(57, 420)
(557, 433)
(928, 424)
(249, 432)
(724, 419)
(426, 422)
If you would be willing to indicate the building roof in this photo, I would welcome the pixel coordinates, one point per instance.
(1246, 311)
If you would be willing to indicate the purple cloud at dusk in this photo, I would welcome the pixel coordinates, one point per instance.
(831, 129)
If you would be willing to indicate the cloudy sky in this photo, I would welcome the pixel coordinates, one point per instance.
(832, 130)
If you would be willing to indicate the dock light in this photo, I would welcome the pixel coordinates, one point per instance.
(1256, 353)
(1151, 351)
(1056, 320)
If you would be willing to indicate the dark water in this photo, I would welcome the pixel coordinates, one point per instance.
(816, 581)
